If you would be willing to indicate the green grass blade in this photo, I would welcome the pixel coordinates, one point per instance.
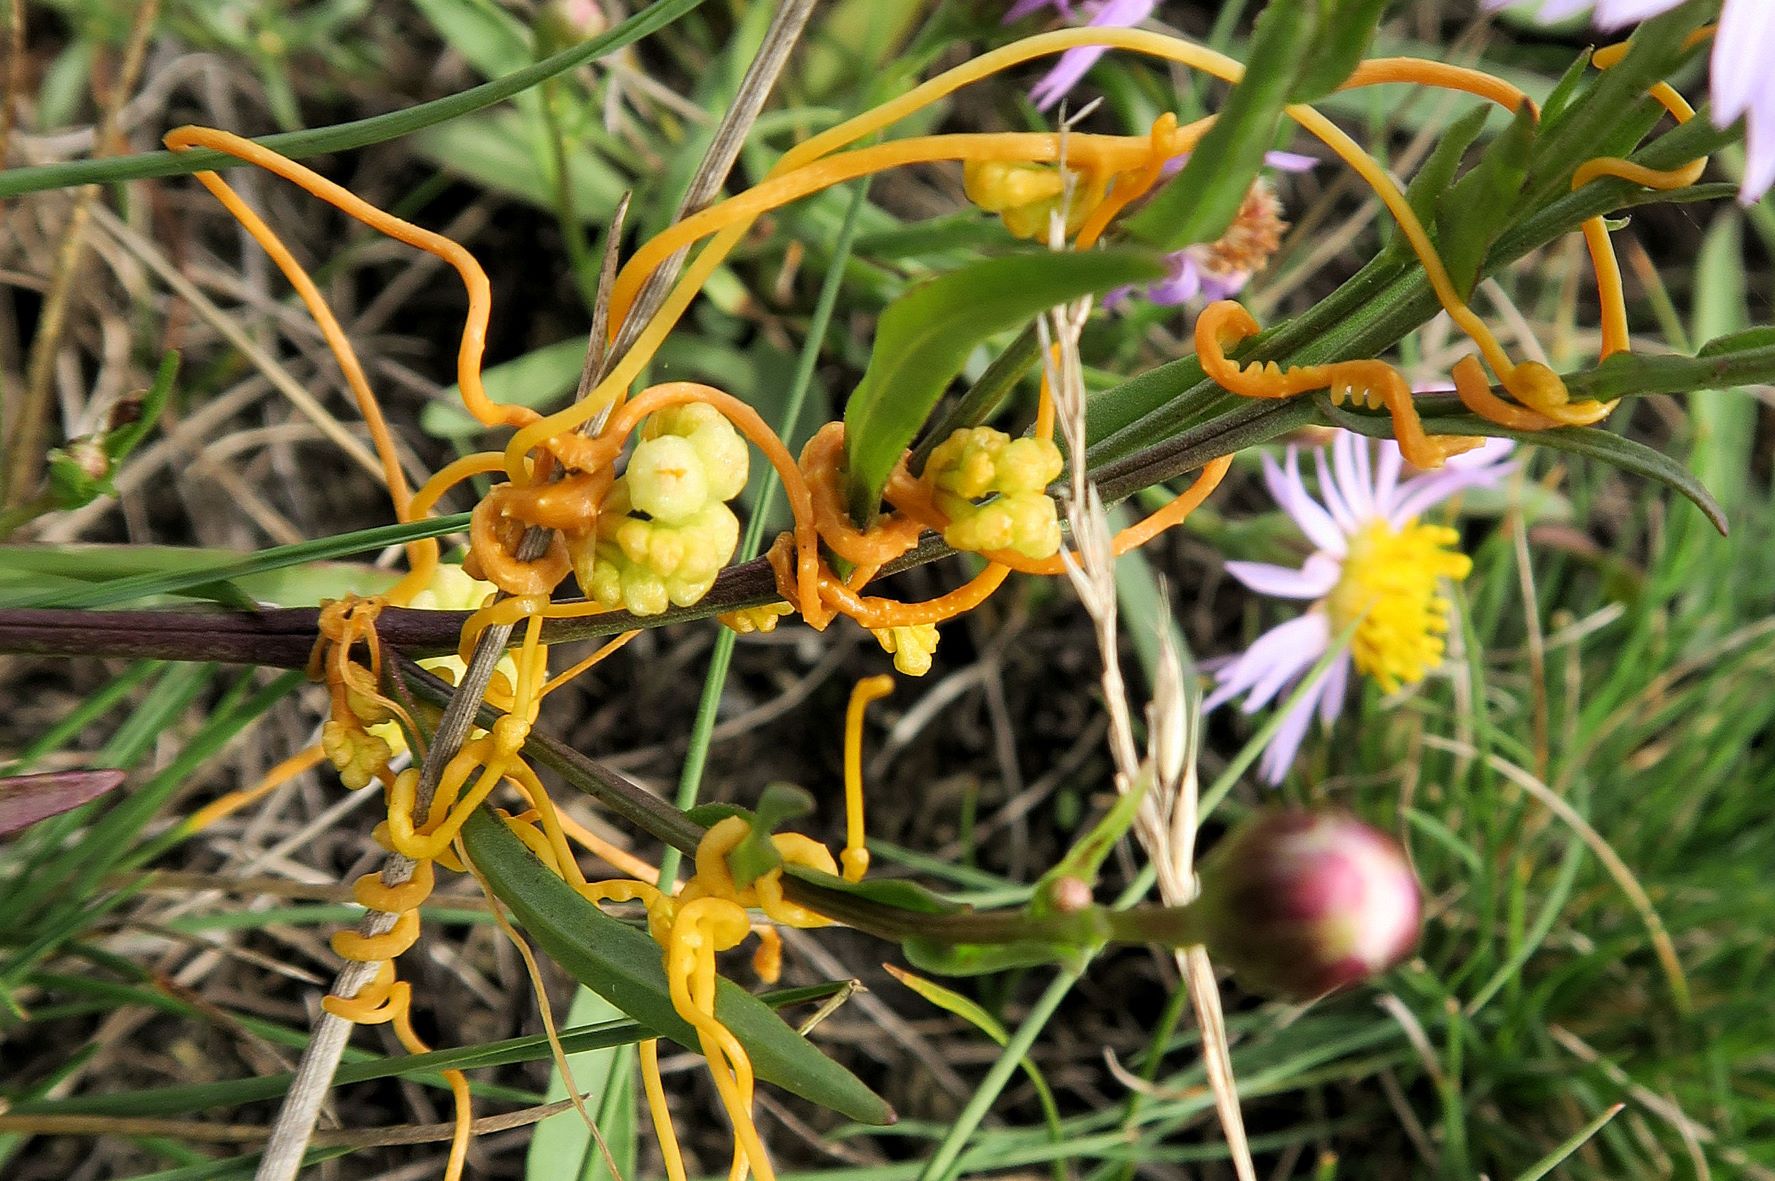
(163, 582)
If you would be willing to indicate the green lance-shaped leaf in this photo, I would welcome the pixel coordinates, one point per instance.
(1201, 202)
(1481, 204)
(1437, 174)
(1345, 29)
(624, 966)
(925, 336)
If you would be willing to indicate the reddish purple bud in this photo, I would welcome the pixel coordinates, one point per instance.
(1299, 904)
(26, 799)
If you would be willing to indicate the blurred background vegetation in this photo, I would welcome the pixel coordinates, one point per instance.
(1585, 789)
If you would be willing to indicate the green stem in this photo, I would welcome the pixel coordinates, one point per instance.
(943, 1161)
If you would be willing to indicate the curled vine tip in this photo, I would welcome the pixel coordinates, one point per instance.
(1299, 904)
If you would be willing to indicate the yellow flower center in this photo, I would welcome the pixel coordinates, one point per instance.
(1388, 591)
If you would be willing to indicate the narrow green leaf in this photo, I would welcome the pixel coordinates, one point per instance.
(895, 892)
(1724, 419)
(1566, 89)
(624, 966)
(1438, 172)
(1202, 200)
(190, 1097)
(126, 437)
(144, 585)
(1480, 205)
(954, 1002)
(1346, 27)
(563, 1148)
(986, 959)
(1741, 341)
(1552, 1160)
(924, 338)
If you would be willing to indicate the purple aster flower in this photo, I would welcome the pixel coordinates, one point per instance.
(1100, 14)
(1374, 575)
(1220, 269)
(1742, 83)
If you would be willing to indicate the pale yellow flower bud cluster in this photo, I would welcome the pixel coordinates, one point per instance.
(1025, 196)
(665, 530)
(978, 463)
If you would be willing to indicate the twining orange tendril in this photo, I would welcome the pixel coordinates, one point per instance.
(480, 299)
(855, 857)
(386, 999)
(226, 805)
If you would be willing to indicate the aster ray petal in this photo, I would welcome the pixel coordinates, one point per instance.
(1332, 494)
(1284, 745)
(1612, 14)
(1759, 171)
(1337, 684)
(1311, 581)
(1184, 284)
(1422, 493)
(1073, 65)
(1291, 496)
(1356, 491)
(1386, 477)
(1739, 62)
(1290, 161)
(1286, 669)
(1295, 644)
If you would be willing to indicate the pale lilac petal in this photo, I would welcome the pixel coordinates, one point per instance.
(1183, 285)
(1337, 682)
(1357, 492)
(1284, 745)
(1072, 66)
(1332, 495)
(1612, 14)
(1291, 496)
(1740, 64)
(1290, 646)
(1122, 14)
(1314, 579)
(1491, 453)
(1558, 10)
(1115, 297)
(1759, 168)
(1075, 63)
(1386, 477)
(1223, 286)
(1290, 161)
(1422, 493)
(1307, 645)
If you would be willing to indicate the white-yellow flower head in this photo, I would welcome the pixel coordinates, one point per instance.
(1376, 574)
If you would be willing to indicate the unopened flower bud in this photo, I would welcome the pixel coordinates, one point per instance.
(1299, 904)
